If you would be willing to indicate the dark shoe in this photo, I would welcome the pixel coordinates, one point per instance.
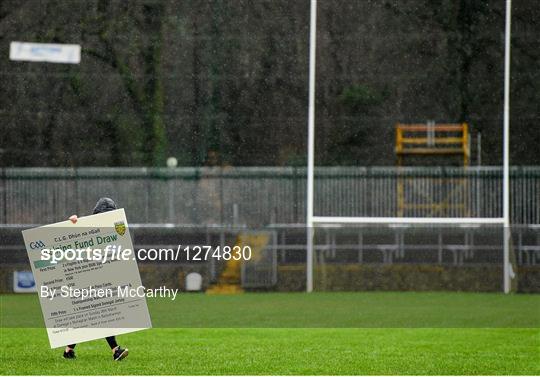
(69, 354)
(120, 353)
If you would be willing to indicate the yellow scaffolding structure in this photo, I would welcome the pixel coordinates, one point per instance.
(432, 140)
(230, 279)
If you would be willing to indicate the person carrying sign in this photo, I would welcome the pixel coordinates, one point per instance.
(102, 205)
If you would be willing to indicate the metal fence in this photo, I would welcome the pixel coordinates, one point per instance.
(265, 195)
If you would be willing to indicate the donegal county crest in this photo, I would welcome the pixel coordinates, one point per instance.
(120, 227)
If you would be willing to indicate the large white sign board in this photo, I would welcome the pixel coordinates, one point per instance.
(45, 52)
(70, 319)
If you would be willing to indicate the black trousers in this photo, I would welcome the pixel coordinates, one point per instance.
(110, 339)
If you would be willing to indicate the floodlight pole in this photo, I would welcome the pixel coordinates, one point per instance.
(311, 146)
(506, 147)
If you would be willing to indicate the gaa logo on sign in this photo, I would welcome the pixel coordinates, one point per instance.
(37, 244)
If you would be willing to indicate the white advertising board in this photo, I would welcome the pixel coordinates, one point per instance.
(45, 52)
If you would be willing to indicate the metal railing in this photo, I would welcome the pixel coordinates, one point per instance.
(265, 195)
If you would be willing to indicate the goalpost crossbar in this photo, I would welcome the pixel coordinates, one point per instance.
(408, 220)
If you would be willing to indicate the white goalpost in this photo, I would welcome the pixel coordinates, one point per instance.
(312, 220)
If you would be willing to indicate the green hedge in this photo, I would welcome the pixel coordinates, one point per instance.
(405, 277)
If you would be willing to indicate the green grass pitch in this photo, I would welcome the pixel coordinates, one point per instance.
(294, 333)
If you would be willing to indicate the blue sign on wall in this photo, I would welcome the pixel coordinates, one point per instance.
(23, 281)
